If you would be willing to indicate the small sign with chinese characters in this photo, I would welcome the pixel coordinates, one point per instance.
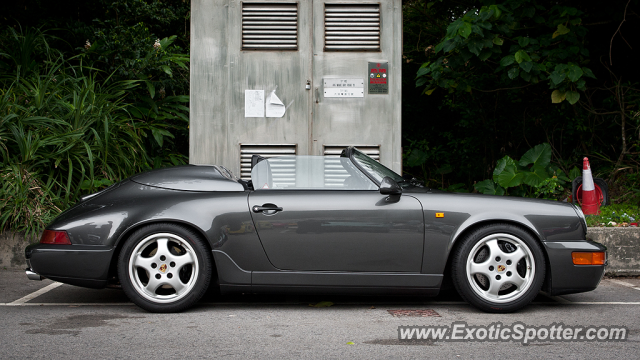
(378, 78)
(343, 83)
(343, 93)
(343, 87)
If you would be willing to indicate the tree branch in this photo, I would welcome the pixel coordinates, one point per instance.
(598, 113)
(624, 18)
(597, 23)
(625, 40)
(494, 90)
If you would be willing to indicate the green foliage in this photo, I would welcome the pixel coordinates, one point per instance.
(520, 42)
(89, 97)
(24, 50)
(26, 203)
(66, 129)
(508, 176)
(615, 216)
(419, 155)
(549, 188)
(489, 187)
(459, 187)
(132, 53)
(484, 101)
(539, 155)
(532, 176)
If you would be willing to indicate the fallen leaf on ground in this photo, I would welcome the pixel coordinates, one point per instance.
(322, 304)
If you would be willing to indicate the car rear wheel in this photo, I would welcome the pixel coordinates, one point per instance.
(164, 267)
(498, 268)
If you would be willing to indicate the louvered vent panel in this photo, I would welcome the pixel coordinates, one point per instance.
(269, 26)
(284, 174)
(352, 27)
(334, 172)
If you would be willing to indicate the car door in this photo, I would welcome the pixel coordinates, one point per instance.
(339, 230)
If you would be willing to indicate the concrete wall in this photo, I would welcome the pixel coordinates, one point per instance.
(623, 249)
(221, 72)
(623, 246)
(12, 250)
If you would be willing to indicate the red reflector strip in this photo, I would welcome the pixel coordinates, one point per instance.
(55, 237)
(588, 258)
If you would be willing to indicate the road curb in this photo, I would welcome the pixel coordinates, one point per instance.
(12, 249)
(623, 248)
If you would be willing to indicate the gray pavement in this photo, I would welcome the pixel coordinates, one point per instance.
(71, 322)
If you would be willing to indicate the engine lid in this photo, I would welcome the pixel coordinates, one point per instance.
(190, 178)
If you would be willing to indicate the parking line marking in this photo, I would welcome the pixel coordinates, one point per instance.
(606, 302)
(68, 304)
(34, 294)
(624, 283)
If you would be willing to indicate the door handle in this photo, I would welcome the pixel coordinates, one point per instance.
(257, 209)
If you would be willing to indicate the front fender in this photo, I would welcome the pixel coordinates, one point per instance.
(449, 216)
(494, 216)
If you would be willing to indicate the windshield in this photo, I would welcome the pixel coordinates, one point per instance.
(309, 173)
(374, 168)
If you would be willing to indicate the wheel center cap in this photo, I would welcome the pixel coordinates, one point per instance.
(163, 268)
(501, 268)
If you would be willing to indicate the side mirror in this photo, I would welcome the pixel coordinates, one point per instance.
(390, 187)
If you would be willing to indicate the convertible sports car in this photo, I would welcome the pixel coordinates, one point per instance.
(314, 224)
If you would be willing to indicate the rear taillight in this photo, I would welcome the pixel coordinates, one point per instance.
(55, 237)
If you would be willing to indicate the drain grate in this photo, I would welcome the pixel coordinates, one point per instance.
(413, 313)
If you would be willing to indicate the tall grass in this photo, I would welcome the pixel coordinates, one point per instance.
(65, 129)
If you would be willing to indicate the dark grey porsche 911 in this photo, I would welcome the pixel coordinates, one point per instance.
(328, 225)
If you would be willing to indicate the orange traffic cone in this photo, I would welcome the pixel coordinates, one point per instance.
(590, 204)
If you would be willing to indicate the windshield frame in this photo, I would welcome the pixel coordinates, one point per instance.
(351, 152)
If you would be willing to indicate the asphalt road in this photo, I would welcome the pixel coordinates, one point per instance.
(72, 323)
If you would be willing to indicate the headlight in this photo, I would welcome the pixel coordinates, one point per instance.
(581, 216)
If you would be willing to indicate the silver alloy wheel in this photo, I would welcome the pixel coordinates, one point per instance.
(500, 268)
(164, 269)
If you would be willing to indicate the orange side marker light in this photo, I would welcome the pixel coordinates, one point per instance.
(588, 258)
(439, 215)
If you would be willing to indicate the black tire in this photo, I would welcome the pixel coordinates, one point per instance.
(181, 241)
(471, 285)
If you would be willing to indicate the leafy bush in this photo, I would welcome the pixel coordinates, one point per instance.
(517, 40)
(615, 216)
(26, 204)
(67, 128)
(532, 176)
(490, 99)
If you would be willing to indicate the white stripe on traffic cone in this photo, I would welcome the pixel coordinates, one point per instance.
(590, 205)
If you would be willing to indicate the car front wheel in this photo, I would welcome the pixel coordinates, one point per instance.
(498, 268)
(164, 267)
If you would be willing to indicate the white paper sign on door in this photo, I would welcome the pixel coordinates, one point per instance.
(275, 107)
(254, 103)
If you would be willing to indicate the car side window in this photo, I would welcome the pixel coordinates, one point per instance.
(309, 173)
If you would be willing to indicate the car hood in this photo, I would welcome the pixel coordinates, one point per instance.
(503, 198)
(476, 196)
